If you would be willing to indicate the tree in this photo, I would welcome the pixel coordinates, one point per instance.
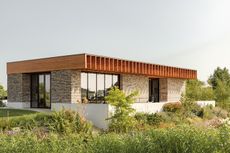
(122, 120)
(3, 93)
(220, 82)
(219, 75)
(196, 90)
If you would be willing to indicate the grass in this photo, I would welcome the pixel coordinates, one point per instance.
(5, 112)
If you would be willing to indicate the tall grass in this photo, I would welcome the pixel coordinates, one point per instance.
(183, 139)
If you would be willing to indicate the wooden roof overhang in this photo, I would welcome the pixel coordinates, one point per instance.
(94, 63)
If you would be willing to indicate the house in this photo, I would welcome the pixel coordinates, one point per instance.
(68, 81)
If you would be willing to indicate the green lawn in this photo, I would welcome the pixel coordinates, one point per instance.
(4, 112)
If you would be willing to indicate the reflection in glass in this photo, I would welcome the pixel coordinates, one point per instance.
(34, 91)
(108, 83)
(115, 81)
(92, 87)
(47, 90)
(41, 91)
(100, 87)
(95, 86)
(84, 86)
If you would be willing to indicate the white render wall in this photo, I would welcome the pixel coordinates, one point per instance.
(96, 113)
(99, 113)
(18, 105)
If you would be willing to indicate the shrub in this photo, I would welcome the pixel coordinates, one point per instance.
(181, 139)
(172, 107)
(212, 112)
(2, 104)
(190, 108)
(153, 119)
(67, 121)
(219, 112)
(64, 121)
(122, 120)
(207, 113)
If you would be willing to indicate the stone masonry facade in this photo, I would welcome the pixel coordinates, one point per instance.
(176, 87)
(130, 83)
(18, 87)
(163, 93)
(170, 89)
(65, 86)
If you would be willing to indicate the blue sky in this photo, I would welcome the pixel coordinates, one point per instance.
(192, 34)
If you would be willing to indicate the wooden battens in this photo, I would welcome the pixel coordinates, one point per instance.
(99, 64)
(105, 64)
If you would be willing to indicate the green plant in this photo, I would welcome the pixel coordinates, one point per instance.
(153, 119)
(2, 104)
(3, 93)
(64, 121)
(67, 121)
(172, 107)
(122, 119)
(196, 90)
(190, 107)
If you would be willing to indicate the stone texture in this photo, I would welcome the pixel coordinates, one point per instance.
(65, 86)
(18, 88)
(130, 83)
(175, 89)
(163, 93)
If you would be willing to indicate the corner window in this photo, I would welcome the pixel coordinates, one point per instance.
(95, 86)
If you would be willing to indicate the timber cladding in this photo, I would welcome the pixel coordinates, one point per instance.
(47, 64)
(87, 62)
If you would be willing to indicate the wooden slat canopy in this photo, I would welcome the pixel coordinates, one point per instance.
(87, 62)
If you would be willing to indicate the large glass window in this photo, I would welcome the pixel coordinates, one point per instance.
(108, 83)
(84, 87)
(40, 91)
(100, 87)
(92, 87)
(95, 86)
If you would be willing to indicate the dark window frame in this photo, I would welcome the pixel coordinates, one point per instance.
(96, 83)
(151, 94)
(38, 93)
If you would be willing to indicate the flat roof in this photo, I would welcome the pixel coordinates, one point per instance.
(96, 63)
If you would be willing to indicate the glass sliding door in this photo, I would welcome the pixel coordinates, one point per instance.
(34, 91)
(40, 91)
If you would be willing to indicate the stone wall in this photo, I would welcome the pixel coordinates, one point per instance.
(163, 87)
(130, 83)
(65, 86)
(175, 89)
(18, 88)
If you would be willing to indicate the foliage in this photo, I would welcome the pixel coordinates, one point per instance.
(122, 120)
(182, 139)
(67, 121)
(222, 91)
(172, 107)
(209, 112)
(196, 91)
(15, 112)
(2, 104)
(190, 107)
(153, 119)
(221, 75)
(3, 93)
(64, 121)
(220, 82)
